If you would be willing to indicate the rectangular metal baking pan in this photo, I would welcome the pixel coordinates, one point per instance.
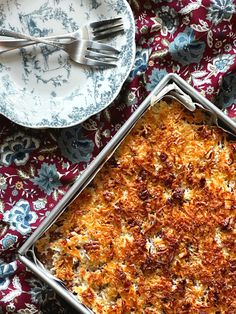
(171, 85)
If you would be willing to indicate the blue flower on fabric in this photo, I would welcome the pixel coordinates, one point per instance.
(227, 95)
(141, 62)
(8, 241)
(223, 62)
(16, 149)
(185, 49)
(75, 146)
(5, 271)
(155, 78)
(20, 217)
(48, 178)
(220, 10)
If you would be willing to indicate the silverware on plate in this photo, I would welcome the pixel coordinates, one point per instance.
(93, 31)
(86, 52)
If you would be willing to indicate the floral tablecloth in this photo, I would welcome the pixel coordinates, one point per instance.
(195, 39)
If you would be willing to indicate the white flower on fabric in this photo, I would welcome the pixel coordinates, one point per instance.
(11, 307)
(39, 204)
(227, 47)
(221, 10)
(210, 90)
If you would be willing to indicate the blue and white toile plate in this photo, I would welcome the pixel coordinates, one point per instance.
(41, 87)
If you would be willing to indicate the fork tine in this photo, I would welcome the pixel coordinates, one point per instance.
(96, 54)
(109, 27)
(105, 33)
(99, 46)
(94, 63)
(105, 27)
(105, 22)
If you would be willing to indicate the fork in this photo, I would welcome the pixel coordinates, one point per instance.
(93, 31)
(87, 52)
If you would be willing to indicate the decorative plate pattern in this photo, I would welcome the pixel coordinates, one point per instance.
(39, 85)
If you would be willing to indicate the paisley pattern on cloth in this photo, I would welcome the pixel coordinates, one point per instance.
(196, 40)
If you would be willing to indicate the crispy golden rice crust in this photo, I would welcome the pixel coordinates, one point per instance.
(155, 231)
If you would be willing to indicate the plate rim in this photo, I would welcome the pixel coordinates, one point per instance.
(100, 109)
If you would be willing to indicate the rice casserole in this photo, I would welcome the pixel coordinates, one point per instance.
(154, 232)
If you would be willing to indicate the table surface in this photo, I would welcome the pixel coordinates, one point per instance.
(198, 42)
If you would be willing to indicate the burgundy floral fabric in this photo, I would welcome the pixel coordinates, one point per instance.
(195, 39)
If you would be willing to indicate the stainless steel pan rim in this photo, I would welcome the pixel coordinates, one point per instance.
(94, 167)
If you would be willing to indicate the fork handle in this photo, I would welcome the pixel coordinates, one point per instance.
(15, 41)
(9, 33)
(11, 44)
